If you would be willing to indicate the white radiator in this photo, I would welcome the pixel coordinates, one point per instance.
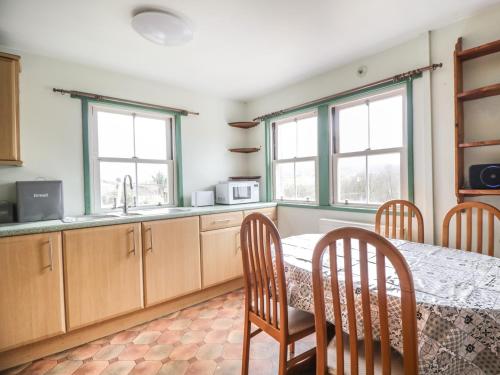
(326, 225)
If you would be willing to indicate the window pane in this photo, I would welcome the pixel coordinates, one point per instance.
(112, 175)
(150, 138)
(115, 135)
(287, 140)
(386, 123)
(285, 185)
(353, 128)
(384, 177)
(305, 180)
(351, 181)
(153, 184)
(307, 137)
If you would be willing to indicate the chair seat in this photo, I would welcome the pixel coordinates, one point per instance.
(298, 320)
(397, 367)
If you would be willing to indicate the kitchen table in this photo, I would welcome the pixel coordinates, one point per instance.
(457, 294)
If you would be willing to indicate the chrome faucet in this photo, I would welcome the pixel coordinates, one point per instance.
(125, 203)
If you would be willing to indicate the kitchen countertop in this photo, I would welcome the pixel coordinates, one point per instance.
(14, 229)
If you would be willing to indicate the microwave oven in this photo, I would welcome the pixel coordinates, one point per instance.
(236, 192)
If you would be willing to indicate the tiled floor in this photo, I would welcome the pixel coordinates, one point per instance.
(203, 339)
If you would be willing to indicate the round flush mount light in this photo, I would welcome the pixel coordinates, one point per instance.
(163, 28)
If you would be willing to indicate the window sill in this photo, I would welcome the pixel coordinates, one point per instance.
(361, 210)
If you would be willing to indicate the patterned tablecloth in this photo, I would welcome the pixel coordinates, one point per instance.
(458, 302)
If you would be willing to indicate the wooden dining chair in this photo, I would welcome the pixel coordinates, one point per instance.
(266, 304)
(482, 209)
(362, 356)
(397, 223)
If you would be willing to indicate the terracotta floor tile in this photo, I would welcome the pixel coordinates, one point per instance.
(174, 368)
(200, 324)
(147, 368)
(159, 325)
(83, 352)
(184, 352)
(109, 352)
(209, 351)
(133, 352)
(208, 314)
(65, 368)
(222, 324)
(170, 337)
(158, 352)
(180, 324)
(231, 367)
(146, 337)
(124, 337)
(41, 367)
(201, 368)
(191, 337)
(260, 350)
(119, 368)
(17, 370)
(235, 336)
(92, 368)
(216, 337)
(190, 313)
(232, 351)
(260, 367)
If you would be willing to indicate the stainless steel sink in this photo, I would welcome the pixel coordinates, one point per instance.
(84, 218)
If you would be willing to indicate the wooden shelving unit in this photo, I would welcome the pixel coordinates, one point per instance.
(245, 150)
(460, 97)
(244, 124)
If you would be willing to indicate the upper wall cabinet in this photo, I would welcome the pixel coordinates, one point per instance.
(9, 110)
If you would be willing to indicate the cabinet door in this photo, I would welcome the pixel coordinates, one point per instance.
(171, 258)
(102, 273)
(31, 289)
(9, 108)
(221, 256)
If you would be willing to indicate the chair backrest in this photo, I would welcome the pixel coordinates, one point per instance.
(263, 271)
(393, 229)
(370, 245)
(482, 209)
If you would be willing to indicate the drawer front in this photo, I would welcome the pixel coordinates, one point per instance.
(270, 212)
(219, 221)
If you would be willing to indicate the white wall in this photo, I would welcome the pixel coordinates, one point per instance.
(51, 128)
(405, 57)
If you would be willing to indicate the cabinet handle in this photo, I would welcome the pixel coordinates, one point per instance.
(150, 230)
(133, 240)
(51, 255)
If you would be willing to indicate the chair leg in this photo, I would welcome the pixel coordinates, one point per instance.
(292, 350)
(246, 346)
(283, 359)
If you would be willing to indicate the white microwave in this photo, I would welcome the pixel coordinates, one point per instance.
(235, 192)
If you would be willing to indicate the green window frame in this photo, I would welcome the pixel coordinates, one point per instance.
(86, 104)
(324, 146)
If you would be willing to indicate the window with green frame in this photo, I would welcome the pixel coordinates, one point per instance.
(364, 149)
(121, 140)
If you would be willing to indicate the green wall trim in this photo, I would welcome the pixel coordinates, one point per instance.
(409, 127)
(178, 160)
(128, 106)
(323, 155)
(360, 210)
(268, 162)
(86, 157)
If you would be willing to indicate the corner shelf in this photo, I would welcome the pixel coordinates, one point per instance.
(461, 96)
(244, 124)
(245, 150)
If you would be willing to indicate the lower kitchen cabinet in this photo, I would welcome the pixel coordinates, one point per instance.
(102, 273)
(221, 255)
(31, 296)
(171, 258)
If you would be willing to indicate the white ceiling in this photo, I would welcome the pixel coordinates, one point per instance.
(241, 48)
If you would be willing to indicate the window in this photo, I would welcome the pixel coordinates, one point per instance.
(139, 144)
(369, 150)
(295, 155)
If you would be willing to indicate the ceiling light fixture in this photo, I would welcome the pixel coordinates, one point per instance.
(163, 28)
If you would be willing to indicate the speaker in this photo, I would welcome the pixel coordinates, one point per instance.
(484, 176)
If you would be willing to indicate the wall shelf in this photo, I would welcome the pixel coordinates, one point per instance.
(244, 178)
(461, 96)
(244, 124)
(245, 150)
